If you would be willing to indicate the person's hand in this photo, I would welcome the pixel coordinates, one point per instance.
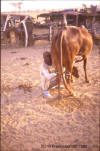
(55, 71)
(55, 74)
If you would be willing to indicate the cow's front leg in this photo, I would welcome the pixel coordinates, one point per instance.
(85, 70)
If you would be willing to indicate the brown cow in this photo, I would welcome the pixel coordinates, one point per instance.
(69, 42)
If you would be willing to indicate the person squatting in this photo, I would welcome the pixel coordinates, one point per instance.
(48, 79)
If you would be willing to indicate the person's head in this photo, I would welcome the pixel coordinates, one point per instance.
(47, 58)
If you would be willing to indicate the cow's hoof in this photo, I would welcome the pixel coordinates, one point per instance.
(77, 95)
(72, 80)
(74, 94)
(87, 81)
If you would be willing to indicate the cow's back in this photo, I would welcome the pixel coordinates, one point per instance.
(87, 42)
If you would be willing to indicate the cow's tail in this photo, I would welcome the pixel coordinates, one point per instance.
(67, 86)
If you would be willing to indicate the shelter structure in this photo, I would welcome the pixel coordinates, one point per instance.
(89, 17)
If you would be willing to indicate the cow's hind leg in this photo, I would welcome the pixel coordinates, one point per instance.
(72, 79)
(85, 70)
(59, 81)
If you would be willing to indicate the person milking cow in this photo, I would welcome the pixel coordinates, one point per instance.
(48, 79)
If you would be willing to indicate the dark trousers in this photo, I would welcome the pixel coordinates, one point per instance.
(53, 82)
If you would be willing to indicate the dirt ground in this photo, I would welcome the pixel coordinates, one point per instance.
(30, 122)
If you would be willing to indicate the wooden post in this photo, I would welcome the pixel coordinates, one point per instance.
(64, 20)
(26, 33)
(93, 20)
(50, 32)
(77, 20)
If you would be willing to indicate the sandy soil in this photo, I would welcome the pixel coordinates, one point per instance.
(30, 122)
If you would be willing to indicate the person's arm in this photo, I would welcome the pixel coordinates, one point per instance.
(47, 74)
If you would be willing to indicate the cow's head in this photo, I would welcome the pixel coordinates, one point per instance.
(75, 72)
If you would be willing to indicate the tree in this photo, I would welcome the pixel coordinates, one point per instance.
(17, 5)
